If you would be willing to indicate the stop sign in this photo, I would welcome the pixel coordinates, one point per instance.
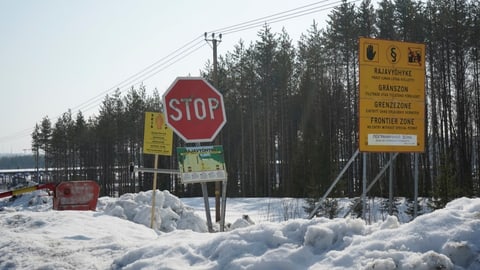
(194, 109)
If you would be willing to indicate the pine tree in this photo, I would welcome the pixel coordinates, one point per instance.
(36, 149)
(328, 209)
(44, 140)
(410, 211)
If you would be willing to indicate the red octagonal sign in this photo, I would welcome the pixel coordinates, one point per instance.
(194, 109)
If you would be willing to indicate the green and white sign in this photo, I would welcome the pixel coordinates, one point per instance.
(201, 164)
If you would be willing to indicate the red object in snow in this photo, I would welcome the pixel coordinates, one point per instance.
(76, 195)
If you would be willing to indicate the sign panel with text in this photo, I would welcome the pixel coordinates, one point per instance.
(201, 164)
(392, 96)
(157, 137)
(194, 109)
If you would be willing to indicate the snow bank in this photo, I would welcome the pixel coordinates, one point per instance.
(38, 200)
(36, 237)
(66, 239)
(170, 212)
(445, 239)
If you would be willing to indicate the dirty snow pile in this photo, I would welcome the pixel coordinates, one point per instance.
(117, 236)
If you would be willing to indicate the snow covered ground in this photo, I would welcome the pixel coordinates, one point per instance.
(117, 236)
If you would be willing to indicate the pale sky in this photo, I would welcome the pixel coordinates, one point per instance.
(58, 55)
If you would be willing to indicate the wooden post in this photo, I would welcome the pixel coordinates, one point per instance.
(154, 191)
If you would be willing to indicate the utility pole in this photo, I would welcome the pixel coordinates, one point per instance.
(218, 185)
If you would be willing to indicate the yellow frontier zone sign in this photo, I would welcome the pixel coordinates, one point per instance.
(392, 96)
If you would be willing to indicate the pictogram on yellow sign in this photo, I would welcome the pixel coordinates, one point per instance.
(392, 96)
(158, 137)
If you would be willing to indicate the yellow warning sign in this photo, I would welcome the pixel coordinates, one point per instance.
(158, 137)
(392, 96)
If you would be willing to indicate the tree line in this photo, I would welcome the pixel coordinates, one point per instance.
(19, 161)
(292, 111)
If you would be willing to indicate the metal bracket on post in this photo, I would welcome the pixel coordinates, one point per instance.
(320, 202)
(151, 170)
(374, 181)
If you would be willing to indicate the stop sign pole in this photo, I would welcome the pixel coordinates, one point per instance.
(194, 110)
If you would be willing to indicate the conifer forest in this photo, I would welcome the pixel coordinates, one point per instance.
(292, 112)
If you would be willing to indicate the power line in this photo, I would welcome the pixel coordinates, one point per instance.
(187, 50)
(153, 71)
(146, 73)
(191, 47)
(17, 135)
(282, 16)
(184, 50)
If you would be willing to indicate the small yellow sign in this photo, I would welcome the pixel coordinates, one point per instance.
(158, 137)
(392, 96)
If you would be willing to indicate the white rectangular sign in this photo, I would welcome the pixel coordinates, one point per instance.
(392, 139)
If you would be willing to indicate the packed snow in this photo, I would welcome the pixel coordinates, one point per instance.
(261, 234)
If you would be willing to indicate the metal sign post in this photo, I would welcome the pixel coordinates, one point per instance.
(203, 164)
(207, 206)
(194, 109)
(391, 101)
